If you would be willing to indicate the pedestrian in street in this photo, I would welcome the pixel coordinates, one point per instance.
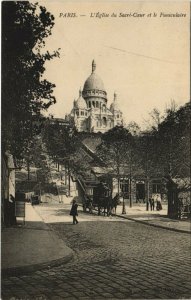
(158, 200)
(152, 204)
(148, 204)
(74, 212)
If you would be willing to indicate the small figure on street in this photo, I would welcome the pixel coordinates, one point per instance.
(90, 205)
(158, 200)
(137, 197)
(149, 204)
(152, 204)
(74, 212)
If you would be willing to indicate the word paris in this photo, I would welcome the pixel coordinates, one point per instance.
(101, 15)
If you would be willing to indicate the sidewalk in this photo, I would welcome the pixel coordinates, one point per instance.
(154, 218)
(28, 247)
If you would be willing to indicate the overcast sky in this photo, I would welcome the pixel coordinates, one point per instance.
(144, 59)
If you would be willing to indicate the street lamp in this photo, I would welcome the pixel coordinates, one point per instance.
(123, 191)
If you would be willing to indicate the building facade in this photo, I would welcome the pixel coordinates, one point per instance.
(90, 112)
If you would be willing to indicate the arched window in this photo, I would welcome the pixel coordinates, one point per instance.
(89, 104)
(97, 104)
(77, 113)
(82, 113)
(93, 103)
(104, 121)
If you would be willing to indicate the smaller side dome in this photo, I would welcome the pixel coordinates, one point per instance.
(80, 103)
(114, 106)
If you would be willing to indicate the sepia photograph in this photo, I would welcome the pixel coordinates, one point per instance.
(95, 150)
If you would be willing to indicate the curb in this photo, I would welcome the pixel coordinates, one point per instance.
(150, 224)
(37, 267)
(154, 225)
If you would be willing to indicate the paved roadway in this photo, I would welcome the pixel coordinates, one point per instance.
(114, 259)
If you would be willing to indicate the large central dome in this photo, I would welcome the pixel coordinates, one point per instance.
(93, 85)
(94, 82)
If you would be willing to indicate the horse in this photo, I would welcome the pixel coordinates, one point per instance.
(108, 204)
(104, 203)
(102, 199)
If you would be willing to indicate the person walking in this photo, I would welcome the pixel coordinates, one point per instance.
(74, 212)
(152, 204)
(159, 205)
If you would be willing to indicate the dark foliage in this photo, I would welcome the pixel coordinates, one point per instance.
(24, 93)
(165, 150)
(116, 148)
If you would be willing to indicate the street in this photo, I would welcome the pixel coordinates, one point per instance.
(113, 258)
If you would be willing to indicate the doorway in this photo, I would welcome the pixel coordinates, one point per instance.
(140, 192)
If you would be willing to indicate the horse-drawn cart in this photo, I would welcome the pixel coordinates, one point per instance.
(101, 200)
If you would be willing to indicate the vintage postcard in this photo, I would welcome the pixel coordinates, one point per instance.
(95, 127)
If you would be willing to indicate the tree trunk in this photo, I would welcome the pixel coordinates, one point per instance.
(69, 179)
(28, 169)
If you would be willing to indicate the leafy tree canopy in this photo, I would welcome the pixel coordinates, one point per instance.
(61, 141)
(133, 128)
(115, 147)
(24, 93)
(173, 137)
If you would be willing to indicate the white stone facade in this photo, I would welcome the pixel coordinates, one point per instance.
(90, 112)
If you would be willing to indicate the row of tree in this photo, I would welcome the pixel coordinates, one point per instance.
(163, 151)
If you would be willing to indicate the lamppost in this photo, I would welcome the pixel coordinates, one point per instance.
(130, 179)
(123, 192)
(40, 194)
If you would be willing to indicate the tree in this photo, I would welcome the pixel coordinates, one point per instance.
(165, 148)
(63, 144)
(173, 139)
(133, 128)
(24, 93)
(155, 118)
(146, 158)
(61, 141)
(116, 151)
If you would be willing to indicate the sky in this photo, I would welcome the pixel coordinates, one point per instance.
(142, 56)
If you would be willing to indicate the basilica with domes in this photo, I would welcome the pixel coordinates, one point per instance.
(90, 112)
